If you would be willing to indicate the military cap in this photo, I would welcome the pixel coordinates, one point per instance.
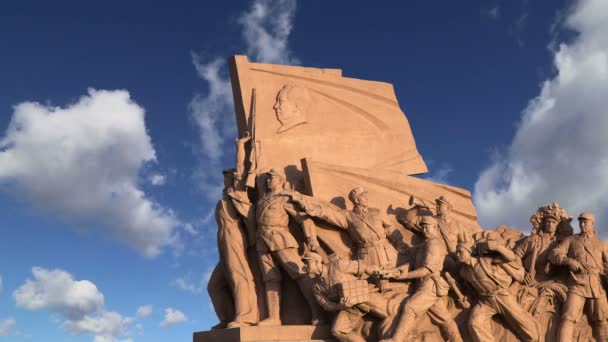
(428, 219)
(356, 192)
(312, 256)
(277, 172)
(442, 199)
(585, 215)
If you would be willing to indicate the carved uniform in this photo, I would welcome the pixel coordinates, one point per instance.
(431, 294)
(276, 244)
(273, 213)
(326, 293)
(585, 290)
(490, 277)
(534, 252)
(232, 277)
(369, 229)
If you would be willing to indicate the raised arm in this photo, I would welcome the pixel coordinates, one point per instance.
(308, 226)
(320, 209)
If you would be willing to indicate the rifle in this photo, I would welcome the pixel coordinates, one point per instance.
(253, 155)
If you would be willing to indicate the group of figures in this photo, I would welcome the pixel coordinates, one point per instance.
(472, 284)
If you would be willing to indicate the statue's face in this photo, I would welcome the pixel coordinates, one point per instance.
(313, 268)
(362, 200)
(586, 226)
(429, 230)
(273, 182)
(550, 225)
(463, 255)
(284, 108)
(442, 208)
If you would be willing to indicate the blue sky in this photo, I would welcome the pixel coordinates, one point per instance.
(116, 120)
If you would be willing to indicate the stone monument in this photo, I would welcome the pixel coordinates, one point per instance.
(325, 232)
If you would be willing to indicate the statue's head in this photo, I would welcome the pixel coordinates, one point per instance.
(290, 106)
(586, 221)
(229, 177)
(429, 226)
(275, 179)
(443, 206)
(550, 222)
(358, 196)
(313, 264)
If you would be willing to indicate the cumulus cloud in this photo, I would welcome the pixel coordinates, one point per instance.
(266, 29)
(6, 326)
(157, 179)
(266, 26)
(78, 302)
(559, 150)
(56, 290)
(144, 311)
(172, 317)
(187, 284)
(82, 162)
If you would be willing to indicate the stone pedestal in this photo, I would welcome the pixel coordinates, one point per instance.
(290, 333)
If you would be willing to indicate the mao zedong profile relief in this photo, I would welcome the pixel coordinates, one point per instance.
(325, 232)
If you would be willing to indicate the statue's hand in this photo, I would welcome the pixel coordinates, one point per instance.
(574, 266)
(529, 279)
(313, 244)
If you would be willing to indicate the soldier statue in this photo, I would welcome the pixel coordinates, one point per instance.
(432, 290)
(586, 256)
(276, 245)
(329, 278)
(376, 239)
(490, 272)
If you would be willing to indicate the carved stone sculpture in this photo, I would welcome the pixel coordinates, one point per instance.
(586, 256)
(432, 290)
(491, 275)
(278, 249)
(408, 261)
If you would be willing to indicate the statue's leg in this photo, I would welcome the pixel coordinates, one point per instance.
(440, 316)
(345, 324)
(573, 308)
(520, 320)
(598, 313)
(272, 283)
(221, 296)
(480, 322)
(292, 264)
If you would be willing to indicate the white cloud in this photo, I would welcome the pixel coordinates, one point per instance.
(559, 151)
(56, 290)
(172, 317)
(79, 302)
(106, 326)
(440, 175)
(157, 179)
(265, 27)
(82, 163)
(185, 284)
(7, 326)
(144, 311)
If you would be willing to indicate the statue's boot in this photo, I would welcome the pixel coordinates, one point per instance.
(305, 284)
(273, 303)
(406, 321)
(566, 331)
